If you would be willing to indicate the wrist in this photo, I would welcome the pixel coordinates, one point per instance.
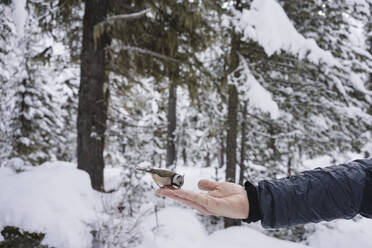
(253, 203)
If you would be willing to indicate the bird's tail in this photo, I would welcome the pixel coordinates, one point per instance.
(145, 170)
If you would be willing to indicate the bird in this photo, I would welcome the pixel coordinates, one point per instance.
(164, 177)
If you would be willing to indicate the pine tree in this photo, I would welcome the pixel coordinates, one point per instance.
(33, 127)
(7, 69)
(163, 45)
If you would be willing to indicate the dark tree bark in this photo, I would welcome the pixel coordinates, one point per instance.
(208, 160)
(231, 135)
(92, 109)
(172, 124)
(242, 144)
(232, 116)
(184, 156)
(231, 145)
(222, 151)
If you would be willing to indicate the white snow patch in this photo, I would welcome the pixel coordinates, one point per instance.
(55, 198)
(243, 236)
(267, 23)
(59, 49)
(113, 177)
(252, 91)
(320, 121)
(5, 172)
(343, 234)
(180, 228)
(19, 15)
(321, 161)
(176, 228)
(358, 83)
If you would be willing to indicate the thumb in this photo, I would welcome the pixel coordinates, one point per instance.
(207, 185)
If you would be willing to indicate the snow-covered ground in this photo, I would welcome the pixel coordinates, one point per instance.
(57, 199)
(179, 227)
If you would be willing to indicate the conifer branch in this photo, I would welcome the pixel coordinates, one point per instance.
(113, 18)
(144, 51)
(128, 16)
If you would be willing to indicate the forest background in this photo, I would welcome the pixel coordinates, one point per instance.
(249, 89)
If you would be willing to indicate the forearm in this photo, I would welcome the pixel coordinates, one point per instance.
(341, 191)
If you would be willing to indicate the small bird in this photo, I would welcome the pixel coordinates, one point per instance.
(164, 177)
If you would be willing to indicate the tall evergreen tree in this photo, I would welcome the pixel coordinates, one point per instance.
(92, 111)
(35, 124)
(8, 67)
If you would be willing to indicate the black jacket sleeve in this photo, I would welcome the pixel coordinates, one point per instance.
(323, 194)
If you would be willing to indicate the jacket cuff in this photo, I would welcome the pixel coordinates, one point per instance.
(254, 205)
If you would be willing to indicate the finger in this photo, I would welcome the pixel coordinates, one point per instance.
(208, 185)
(192, 204)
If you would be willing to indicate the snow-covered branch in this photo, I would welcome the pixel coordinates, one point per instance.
(251, 90)
(136, 15)
(266, 22)
(128, 16)
(143, 51)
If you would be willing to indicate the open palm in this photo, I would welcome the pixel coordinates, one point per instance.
(223, 198)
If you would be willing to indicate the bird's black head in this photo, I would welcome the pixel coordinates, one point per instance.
(177, 180)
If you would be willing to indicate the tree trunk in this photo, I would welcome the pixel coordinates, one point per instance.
(172, 124)
(231, 135)
(242, 145)
(92, 109)
(232, 117)
(231, 145)
(208, 160)
(222, 151)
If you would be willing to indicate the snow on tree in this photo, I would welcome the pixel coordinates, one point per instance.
(36, 91)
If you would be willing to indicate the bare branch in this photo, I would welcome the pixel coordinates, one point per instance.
(143, 51)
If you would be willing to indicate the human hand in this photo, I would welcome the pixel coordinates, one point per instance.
(223, 199)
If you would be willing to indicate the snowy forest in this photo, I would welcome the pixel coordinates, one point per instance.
(230, 90)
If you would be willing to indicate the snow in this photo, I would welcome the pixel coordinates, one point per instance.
(252, 91)
(258, 96)
(19, 16)
(343, 234)
(266, 22)
(55, 198)
(179, 227)
(358, 83)
(5, 172)
(321, 161)
(14, 164)
(112, 177)
(241, 237)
